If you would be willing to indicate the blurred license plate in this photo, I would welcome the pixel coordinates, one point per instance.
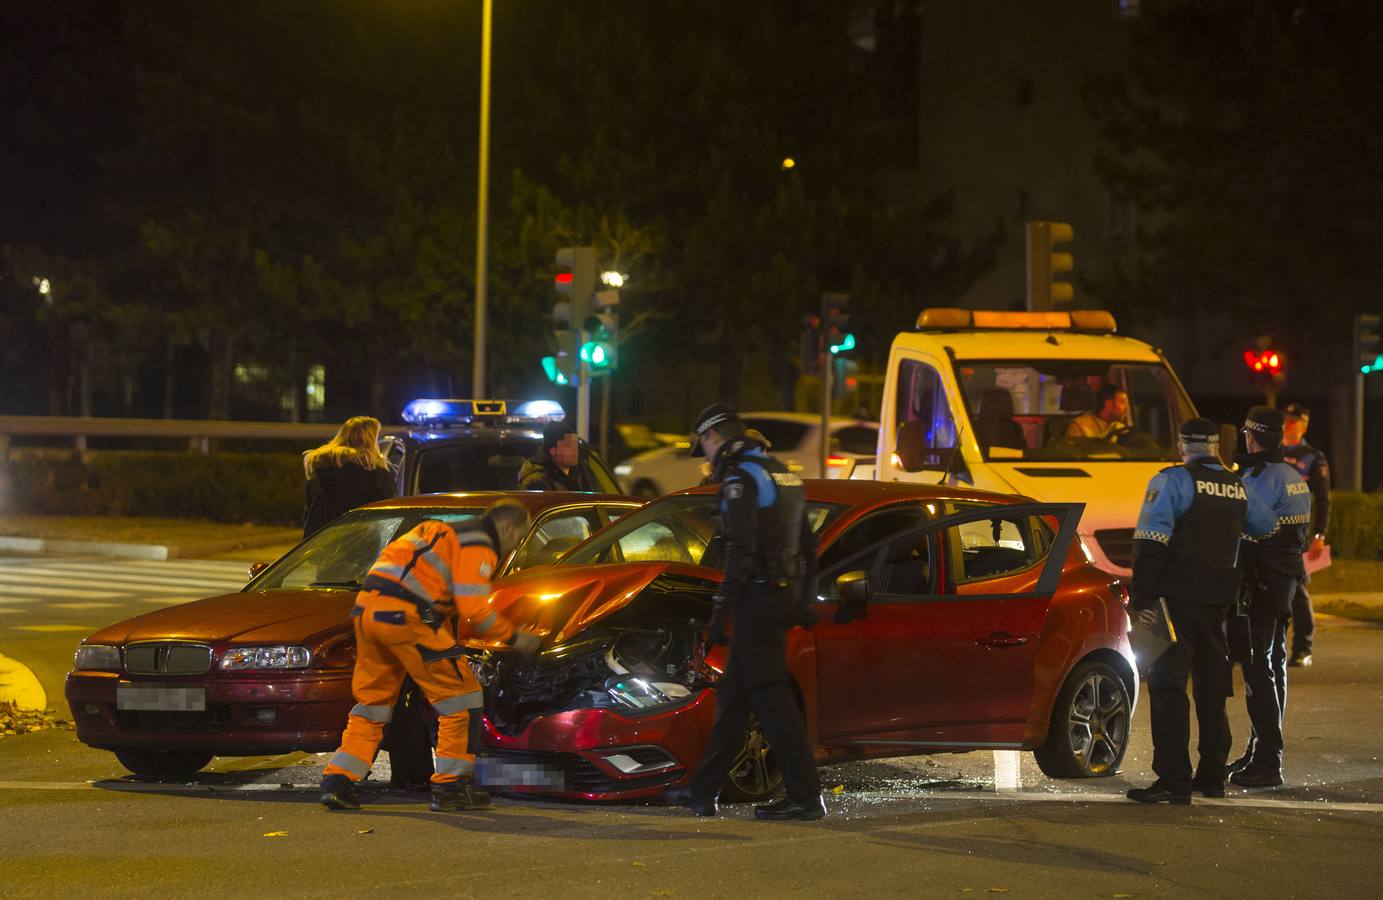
(506, 775)
(166, 699)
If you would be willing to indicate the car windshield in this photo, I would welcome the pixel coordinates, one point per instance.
(678, 529)
(1073, 409)
(487, 464)
(340, 554)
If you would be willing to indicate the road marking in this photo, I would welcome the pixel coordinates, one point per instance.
(50, 575)
(5, 611)
(52, 629)
(38, 591)
(87, 605)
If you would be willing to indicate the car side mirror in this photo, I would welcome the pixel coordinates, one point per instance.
(256, 568)
(854, 592)
(1229, 444)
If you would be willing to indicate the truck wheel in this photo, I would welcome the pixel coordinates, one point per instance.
(1089, 726)
(162, 762)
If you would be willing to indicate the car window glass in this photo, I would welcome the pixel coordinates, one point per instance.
(342, 552)
(989, 548)
(922, 400)
(873, 528)
(484, 465)
(782, 436)
(857, 439)
(555, 536)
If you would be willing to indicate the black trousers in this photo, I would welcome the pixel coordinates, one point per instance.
(1303, 621)
(1259, 645)
(756, 680)
(1201, 654)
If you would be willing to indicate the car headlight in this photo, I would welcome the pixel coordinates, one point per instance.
(637, 693)
(279, 656)
(97, 656)
(623, 470)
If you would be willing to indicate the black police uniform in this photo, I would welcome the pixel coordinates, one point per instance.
(769, 563)
(1185, 551)
(1272, 567)
(1312, 465)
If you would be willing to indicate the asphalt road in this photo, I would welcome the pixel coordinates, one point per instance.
(72, 823)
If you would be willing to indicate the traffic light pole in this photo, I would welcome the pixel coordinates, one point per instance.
(583, 400)
(1357, 463)
(827, 369)
(482, 208)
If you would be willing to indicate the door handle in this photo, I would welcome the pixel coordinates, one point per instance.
(1001, 640)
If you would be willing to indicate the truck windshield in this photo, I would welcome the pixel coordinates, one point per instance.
(1073, 409)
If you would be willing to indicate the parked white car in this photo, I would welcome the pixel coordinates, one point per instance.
(795, 439)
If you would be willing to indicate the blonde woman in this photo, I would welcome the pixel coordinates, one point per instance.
(345, 472)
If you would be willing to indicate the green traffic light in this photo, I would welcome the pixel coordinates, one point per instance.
(595, 355)
(846, 343)
(553, 373)
(1375, 366)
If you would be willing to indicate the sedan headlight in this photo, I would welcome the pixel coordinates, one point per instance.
(637, 693)
(97, 656)
(278, 656)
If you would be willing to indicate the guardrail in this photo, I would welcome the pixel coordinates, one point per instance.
(198, 431)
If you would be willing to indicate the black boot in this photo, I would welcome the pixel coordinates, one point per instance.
(685, 796)
(787, 808)
(1207, 788)
(450, 796)
(1258, 775)
(1157, 792)
(1242, 762)
(338, 792)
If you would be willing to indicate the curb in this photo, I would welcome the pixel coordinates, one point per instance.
(144, 551)
(19, 686)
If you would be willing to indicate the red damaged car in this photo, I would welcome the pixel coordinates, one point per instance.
(948, 620)
(267, 670)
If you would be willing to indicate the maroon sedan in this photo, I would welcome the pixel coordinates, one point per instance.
(267, 670)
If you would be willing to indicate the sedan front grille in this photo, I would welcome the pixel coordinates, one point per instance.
(168, 659)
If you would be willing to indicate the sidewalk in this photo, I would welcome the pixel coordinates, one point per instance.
(138, 538)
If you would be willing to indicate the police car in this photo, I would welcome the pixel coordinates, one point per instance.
(475, 445)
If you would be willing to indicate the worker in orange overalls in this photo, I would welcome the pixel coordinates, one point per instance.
(428, 587)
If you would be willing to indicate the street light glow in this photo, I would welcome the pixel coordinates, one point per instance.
(612, 278)
(789, 163)
(44, 287)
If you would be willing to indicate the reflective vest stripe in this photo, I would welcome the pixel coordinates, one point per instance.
(450, 706)
(344, 760)
(446, 765)
(380, 712)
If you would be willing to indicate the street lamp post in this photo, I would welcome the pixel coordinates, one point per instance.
(482, 206)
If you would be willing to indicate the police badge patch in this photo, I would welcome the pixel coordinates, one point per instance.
(734, 491)
(1152, 497)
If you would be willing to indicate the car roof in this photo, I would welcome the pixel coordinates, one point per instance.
(1033, 344)
(462, 433)
(534, 501)
(867, 493)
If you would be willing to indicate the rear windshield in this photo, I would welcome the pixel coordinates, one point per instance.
(675, 529)
(492, 465)
(782, 436)
(340, 554)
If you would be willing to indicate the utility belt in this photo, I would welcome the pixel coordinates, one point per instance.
(427, 611)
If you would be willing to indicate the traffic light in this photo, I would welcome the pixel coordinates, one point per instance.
(835, 322)
(600, 333)
(576, 279)
(1368, 346)
(1267, 367)
(1045, 262)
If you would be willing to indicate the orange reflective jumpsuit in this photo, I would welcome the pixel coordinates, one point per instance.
(404, 625)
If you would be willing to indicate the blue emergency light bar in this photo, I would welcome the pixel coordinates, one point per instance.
(444, 412)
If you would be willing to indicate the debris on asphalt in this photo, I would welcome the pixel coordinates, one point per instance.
(15, 721)
(365, 831)
(276, 834)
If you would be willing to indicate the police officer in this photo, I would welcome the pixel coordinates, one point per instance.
(1311, 464)
(1185, 550)
(770, 557)
(1273, 569)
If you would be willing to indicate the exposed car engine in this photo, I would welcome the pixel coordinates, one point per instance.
(629, 668)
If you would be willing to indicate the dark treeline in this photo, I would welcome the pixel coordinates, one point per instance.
(205, 200)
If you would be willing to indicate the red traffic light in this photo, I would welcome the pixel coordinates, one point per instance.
(564, 278)
(1263, 362)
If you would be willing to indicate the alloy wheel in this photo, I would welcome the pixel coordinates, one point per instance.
(1098, 723)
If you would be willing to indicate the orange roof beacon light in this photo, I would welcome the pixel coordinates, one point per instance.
(1094, 321)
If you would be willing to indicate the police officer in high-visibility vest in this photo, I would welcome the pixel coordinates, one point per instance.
(770, 565)
(1185, 550)
(430, 587)
(1273, 569)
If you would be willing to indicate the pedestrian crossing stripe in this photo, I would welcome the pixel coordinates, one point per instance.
(90, 605)
(126, 583)
(39, 591)
(47, 629)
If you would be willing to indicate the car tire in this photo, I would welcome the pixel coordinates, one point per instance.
(755, 776)
(1089, 729)
(646, 490)
(162, 763)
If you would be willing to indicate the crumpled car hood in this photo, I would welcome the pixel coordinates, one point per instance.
(559, 601)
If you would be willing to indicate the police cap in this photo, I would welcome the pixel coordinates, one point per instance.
(717, 414)
(1200, 430)
(1265, 422)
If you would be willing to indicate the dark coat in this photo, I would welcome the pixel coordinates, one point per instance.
(540, 473)
(333, 491)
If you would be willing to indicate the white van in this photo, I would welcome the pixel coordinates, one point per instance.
(1003, 389)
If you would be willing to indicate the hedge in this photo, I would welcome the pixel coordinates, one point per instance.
(224, 487)
(1356, 525)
